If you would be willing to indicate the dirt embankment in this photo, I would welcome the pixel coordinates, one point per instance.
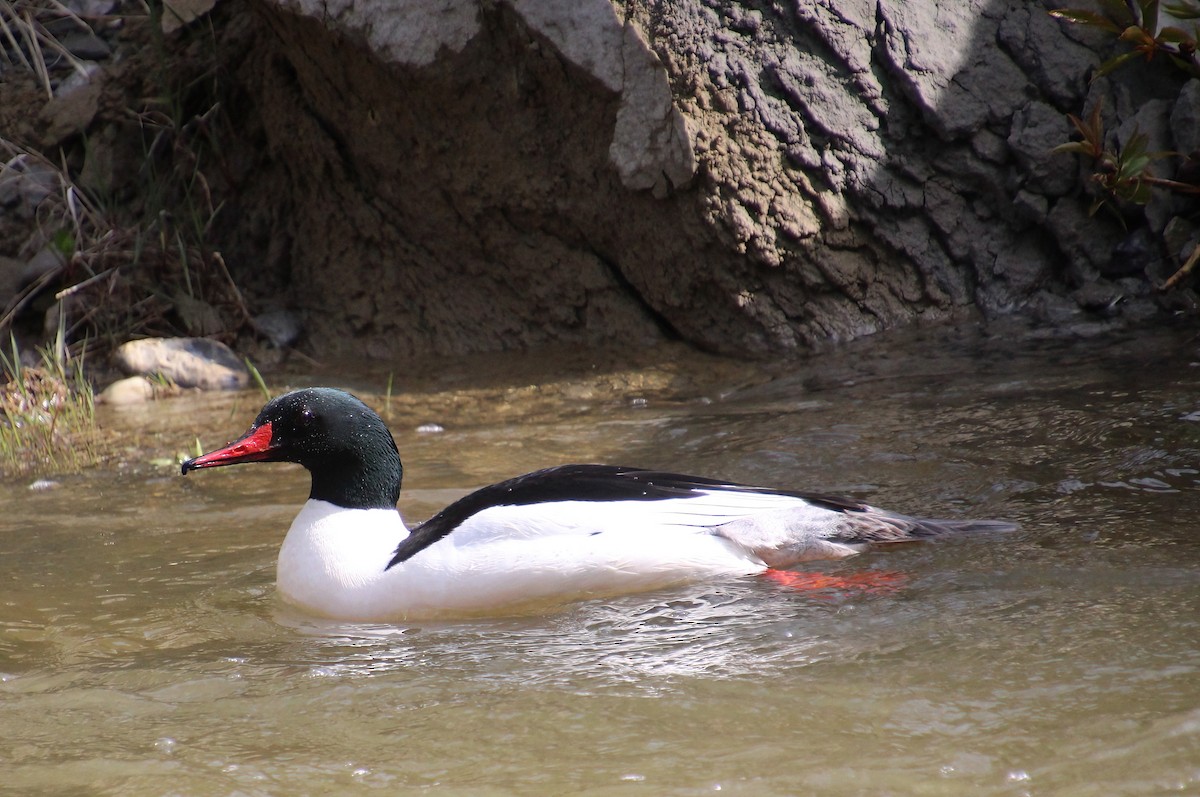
(409, 180)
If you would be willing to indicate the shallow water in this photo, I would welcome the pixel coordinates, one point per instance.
(142, 650)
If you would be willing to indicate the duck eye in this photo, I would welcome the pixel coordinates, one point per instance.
(307, 417)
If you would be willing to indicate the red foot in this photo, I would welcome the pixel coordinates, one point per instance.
(871, 582)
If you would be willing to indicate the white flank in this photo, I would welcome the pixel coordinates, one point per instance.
(332, 561)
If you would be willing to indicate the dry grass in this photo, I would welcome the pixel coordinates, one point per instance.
(30, 45)
(138, 264)
(47, 416)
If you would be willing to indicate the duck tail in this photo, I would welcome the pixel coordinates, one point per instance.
(929, 527)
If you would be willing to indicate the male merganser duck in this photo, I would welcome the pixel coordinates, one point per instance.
(551, 536)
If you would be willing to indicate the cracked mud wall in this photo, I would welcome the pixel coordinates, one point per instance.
(437, 209)
(455, 177)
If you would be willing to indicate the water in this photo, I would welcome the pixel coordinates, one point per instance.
(142, 650)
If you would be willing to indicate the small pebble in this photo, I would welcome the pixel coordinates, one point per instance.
(430, 428)
(131, 390)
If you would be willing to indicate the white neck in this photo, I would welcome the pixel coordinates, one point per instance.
(332, 560)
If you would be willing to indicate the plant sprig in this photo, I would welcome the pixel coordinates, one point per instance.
(1137, 23)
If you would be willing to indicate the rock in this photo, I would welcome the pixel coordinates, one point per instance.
(1018, 266)
(957, 86)
(1031, 206)
(188, 362)
(48, 260)
(1058, 65)
(281, 327)
(1185, 118)
(177, 14)
(1050, 308)
(25, 183)
(90, 8)
(1036, 129)
(1098, 297)
(71, 111)
(1181, 238)
(1152, 120)
(77, 80)
(650, 146)
(1137, 252)
(85, 45)
(1086, 244)
(752, 178)
(409, 33)
(60, 315)
(110, 166)
(198, 317)
(10, 278)
(127, 391)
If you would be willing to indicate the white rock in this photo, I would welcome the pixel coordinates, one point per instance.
(123, 392)
(188, 362)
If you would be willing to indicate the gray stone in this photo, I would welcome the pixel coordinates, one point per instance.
(78, 78)
(1138, 309)
(1051, 308)
(10, 278)
(198, 317)
(25, 183)
(1133, 255)
(1153, 120)
(410, 32)
(958, 88)
(1180, 237)
(48, 260)
(180, 13)
(1036, 130)
(70, 111)
(1099, 297)
(1058, 65)
(1185, 119)
(1031, 206)
(650, 146)
(188, 362)
(90, 8)
(588, 33)
(1085, 243)
(85, 45)
(1019, 266)
(281, 327)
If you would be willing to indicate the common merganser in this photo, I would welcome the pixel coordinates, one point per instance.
(555, 535)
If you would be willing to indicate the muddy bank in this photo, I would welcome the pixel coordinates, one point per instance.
(842, 173)
(751, 180)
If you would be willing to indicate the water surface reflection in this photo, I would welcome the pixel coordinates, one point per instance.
(142, 649)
